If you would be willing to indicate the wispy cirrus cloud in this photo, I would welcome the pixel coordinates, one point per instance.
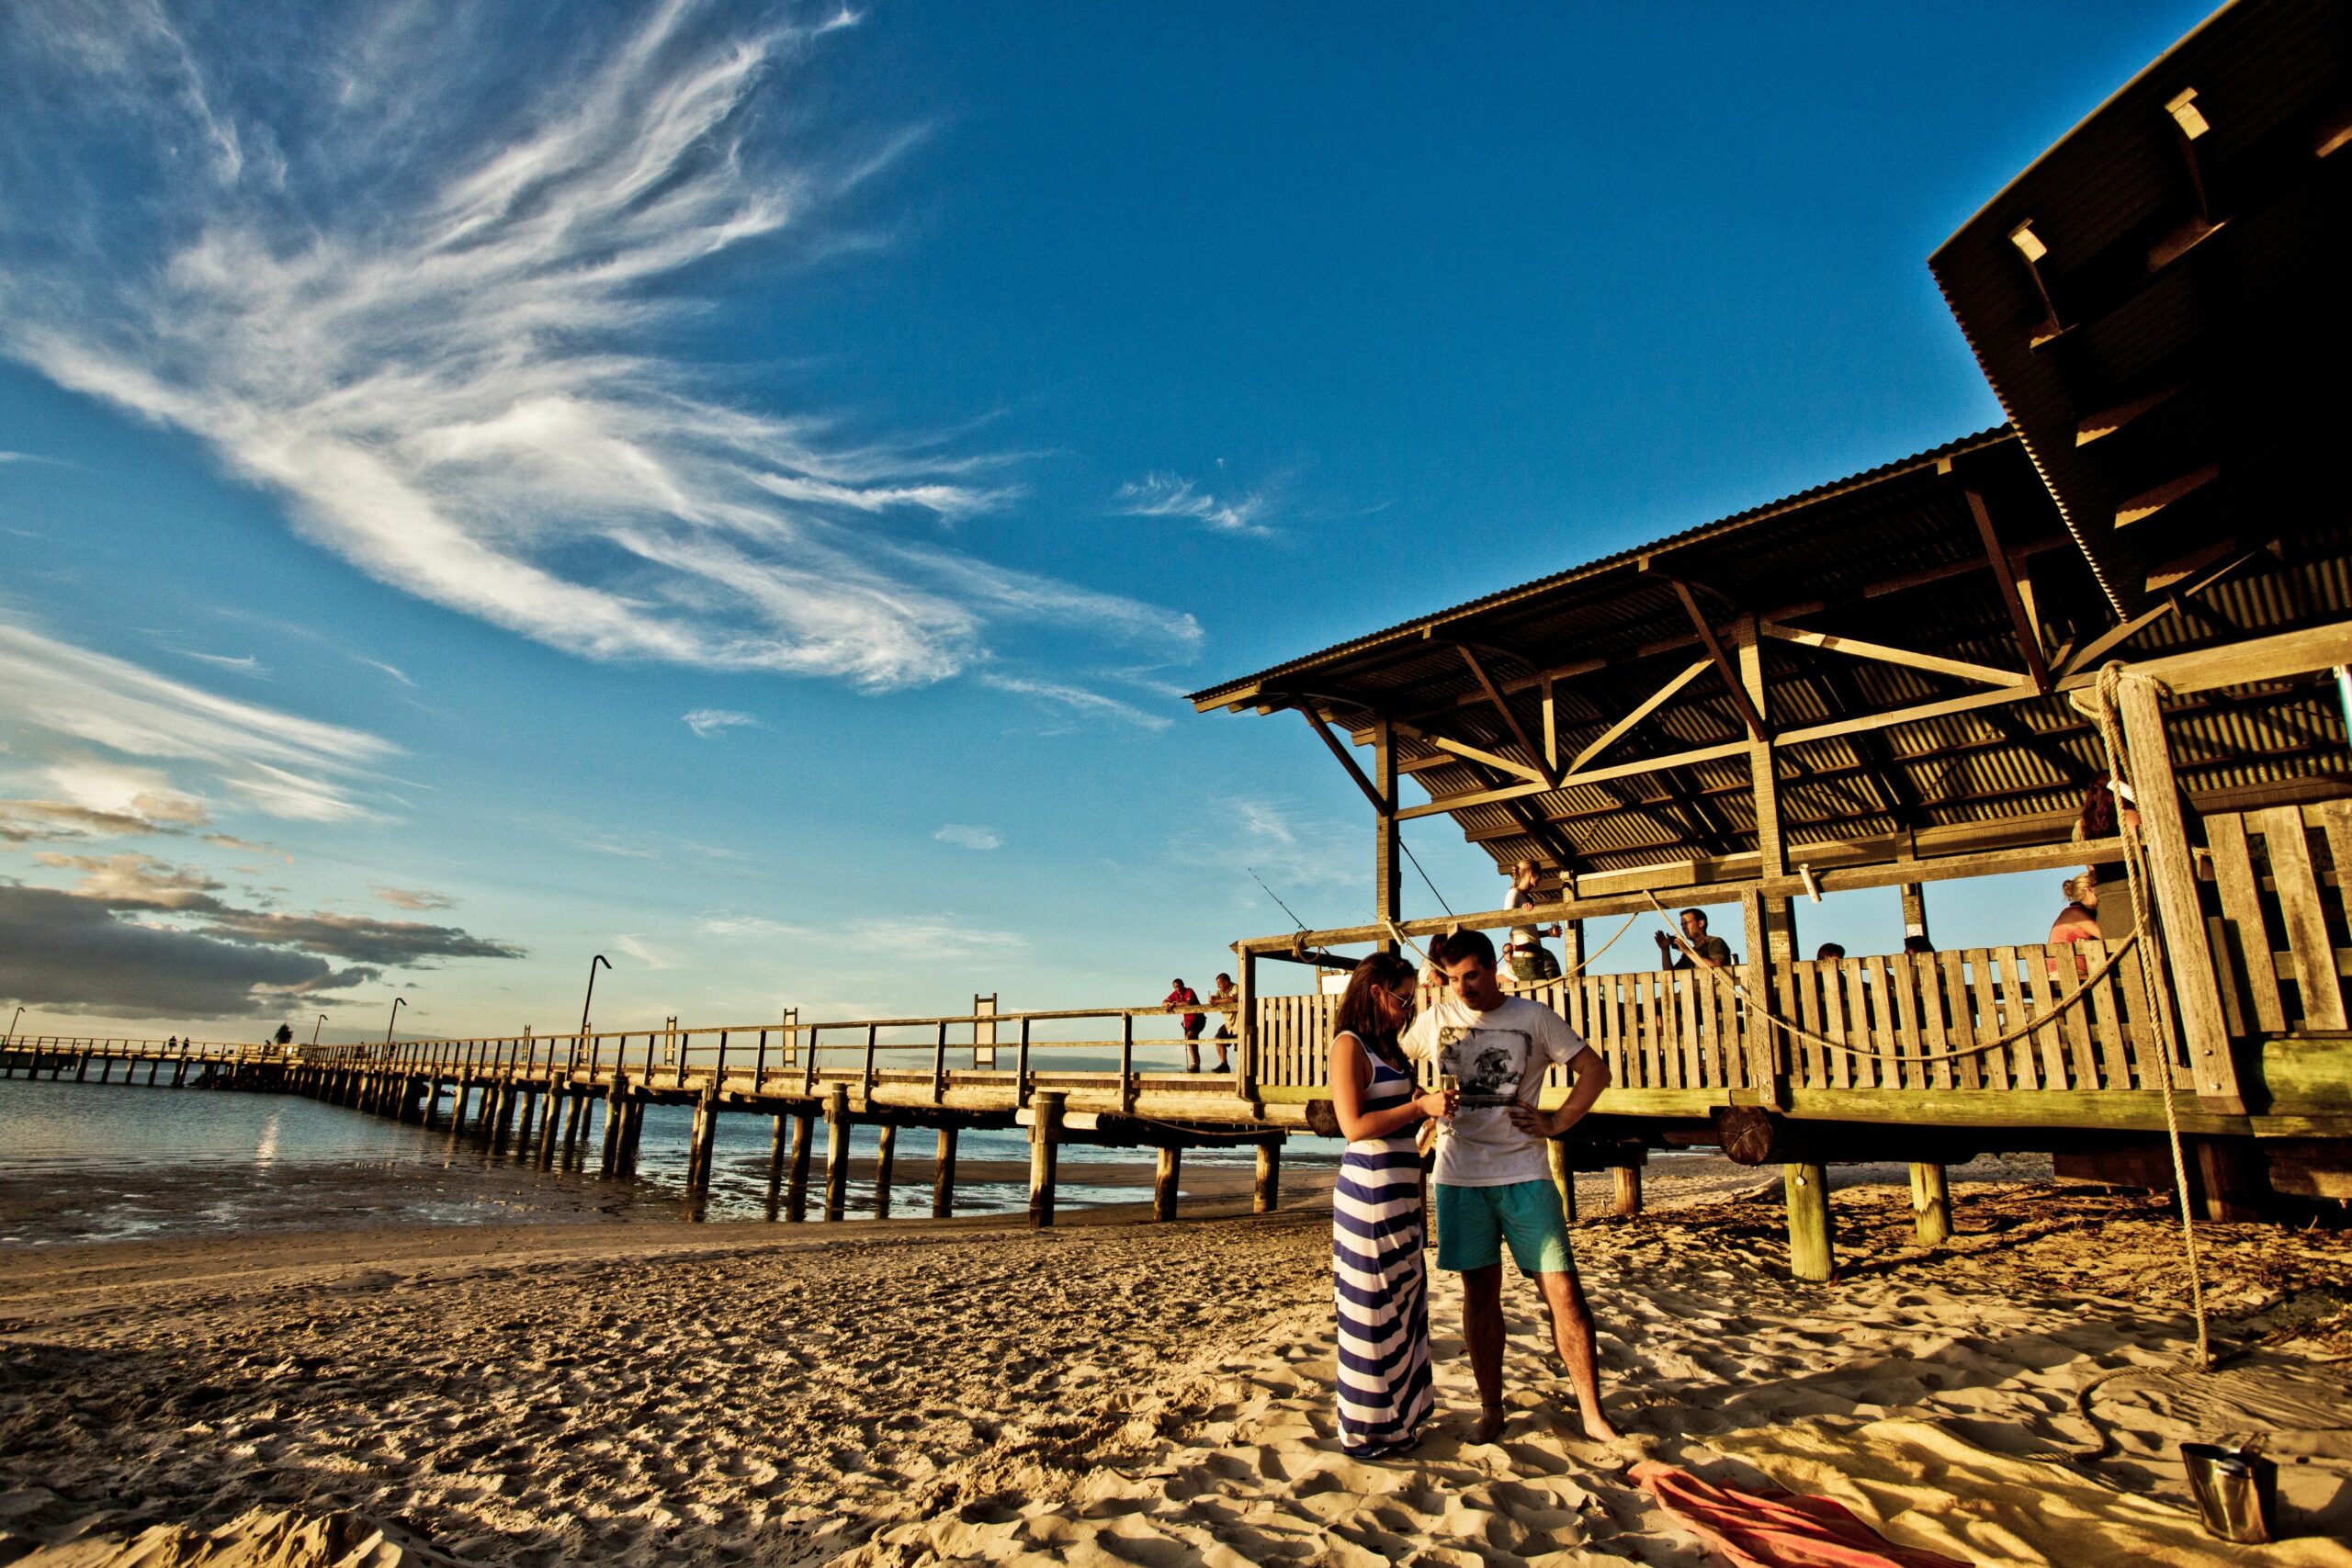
(711, 722)
(432, 314)
(938, 938)
(1166, 495)
(965, 836)
(1076, 700)
(276, 762)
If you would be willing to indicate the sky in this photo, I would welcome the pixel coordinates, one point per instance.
(744, 489)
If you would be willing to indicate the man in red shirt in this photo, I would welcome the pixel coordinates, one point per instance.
(1193, 1022)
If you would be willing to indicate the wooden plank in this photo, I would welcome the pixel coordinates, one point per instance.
(1707, 640)
(2078, 1021)
(1686, 1030)
(1837, 1016)
(1968, 1068)
(2299, 908)
(2242, 910)
(2035, 984)
(1883, 1037)
(1592, 775)
(1880, 653)
(1314, 717)
(2225, 971)
(1934, 1033)
(1647, 707)
(2106, 1021)
(2029, 635)
(1502, 706)
(1994, 990)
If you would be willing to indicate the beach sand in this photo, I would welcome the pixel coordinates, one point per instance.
(1110, 1392)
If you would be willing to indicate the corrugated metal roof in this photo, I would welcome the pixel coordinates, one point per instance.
(2194, 296)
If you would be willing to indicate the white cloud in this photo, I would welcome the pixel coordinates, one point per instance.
(645, 954)
(281, 765)
(1078, 699)
(1285, 846)
(1165, 495)
(965, 836)
(707, 723)
(436, 326)
(937, 938)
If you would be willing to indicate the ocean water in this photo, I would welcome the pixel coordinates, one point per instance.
(81, 1162)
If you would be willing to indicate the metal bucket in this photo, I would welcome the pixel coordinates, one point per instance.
(2237, 1491)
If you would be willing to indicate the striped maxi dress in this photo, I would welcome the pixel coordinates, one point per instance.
(1379, 1281)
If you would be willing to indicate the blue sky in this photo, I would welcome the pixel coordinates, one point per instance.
(744, 489)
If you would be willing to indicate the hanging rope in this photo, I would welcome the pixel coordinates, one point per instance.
(1763, 1014)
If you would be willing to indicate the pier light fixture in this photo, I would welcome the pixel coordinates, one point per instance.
(12, 1024)
(314, 1028)
(397, 1002)
(591, 997)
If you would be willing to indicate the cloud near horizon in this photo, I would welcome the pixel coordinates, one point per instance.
(272, 761)
(87, 948)
(428, 311)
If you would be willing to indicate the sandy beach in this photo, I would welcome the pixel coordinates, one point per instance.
(917, 1393)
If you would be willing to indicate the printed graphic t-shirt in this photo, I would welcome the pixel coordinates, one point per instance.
(1497, 1057)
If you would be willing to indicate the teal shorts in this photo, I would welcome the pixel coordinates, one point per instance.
(1474, 1222)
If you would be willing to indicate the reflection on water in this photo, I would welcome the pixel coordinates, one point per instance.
(81, 1162)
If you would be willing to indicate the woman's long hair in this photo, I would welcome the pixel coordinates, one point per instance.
(1364, 1014)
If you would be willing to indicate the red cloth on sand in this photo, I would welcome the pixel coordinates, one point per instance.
(1776, 1529)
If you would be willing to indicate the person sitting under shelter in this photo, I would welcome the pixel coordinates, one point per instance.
(2078, 922)
(1525, 958)
(1714, 951)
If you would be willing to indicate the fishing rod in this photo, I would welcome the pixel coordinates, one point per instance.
(1275, 897)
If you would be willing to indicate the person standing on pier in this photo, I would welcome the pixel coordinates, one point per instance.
(1379, 1282)
(1229, 1000)
(1178, 994)
(1494, 1182)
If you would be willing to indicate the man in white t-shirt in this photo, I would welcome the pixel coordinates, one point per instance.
(1494, 1183)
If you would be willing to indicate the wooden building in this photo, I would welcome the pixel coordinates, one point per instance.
(1916, 673)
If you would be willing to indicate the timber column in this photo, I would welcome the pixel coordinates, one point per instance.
(2170, 867)
(1044, 1149)
(1165, 1181)
(1387, 864)
(1811, 1256)
(1770, 928)
(837, 1151)
(1268, 1195)
(942, 1174)
(804, 1136)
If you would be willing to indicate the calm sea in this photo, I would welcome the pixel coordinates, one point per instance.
(81, 1162)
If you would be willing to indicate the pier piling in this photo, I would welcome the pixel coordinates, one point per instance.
(1811, 1256)
(1167, 1173)
(836, 1151)
(1045, 1148)
(1930, 1203)
(882, 1161)
(942, 1174)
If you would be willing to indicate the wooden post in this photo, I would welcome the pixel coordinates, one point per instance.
(804, 1139)
(1811, 1256)
(1268, 1195)
(1044, 1147)
(776, 1165)
(1914, 909)
(1244, 1023)
(1571, 947)
(1764, 1050)
(2204, 1033)
(551, 1124)
(632, 1132)
(706, 1139)
(1387, 862)
(1555, 1153)
(1629, 1187)
(1165, 1181)
(1930, 1203)
(943, 1176)
(836, 1151)
(883, 1156)
(613, 1100)
(81, 1073)
(574, 1123)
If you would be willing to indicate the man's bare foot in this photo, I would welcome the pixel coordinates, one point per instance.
(1597, 1427)
(1490, 1423)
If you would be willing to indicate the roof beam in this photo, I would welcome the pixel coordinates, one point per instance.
(1314, 718)
(2022, 623)
(1649, 705)
(1707, 640)
(1573, 781)
(1495, 695)
(1854, 648)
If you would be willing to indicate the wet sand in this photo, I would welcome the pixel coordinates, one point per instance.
(913, 1391)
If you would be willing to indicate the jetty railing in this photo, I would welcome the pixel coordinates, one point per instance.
(1905, 1021)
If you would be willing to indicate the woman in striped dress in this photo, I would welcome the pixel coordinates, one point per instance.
(1379, 1281)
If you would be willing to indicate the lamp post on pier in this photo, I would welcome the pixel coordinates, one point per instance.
(591, 997)
(12, 1025)
(394, 1019)
(314, 1028)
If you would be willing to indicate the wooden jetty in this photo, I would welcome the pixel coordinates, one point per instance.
(577, 1102)
(1917, 674)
